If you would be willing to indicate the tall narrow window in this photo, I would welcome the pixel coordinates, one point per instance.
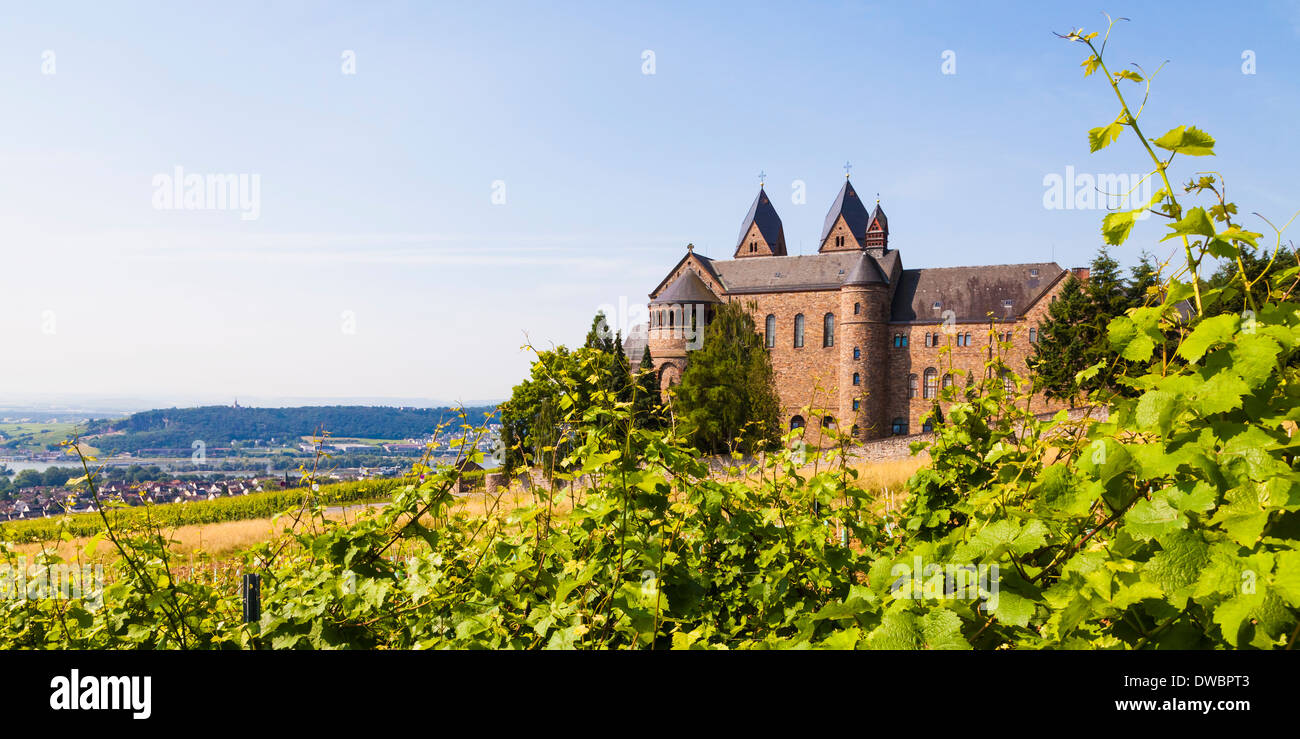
(771, 330)
(947, 380)
(798, 331)
(857, 353)
(828, 329)
(857, 309)
(967, 339)
(931, 381)
(1033, 335)
(857, 379)
(911, 386)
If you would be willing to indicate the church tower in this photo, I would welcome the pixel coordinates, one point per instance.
(864, 360)
(846, 223)
(877, 238)
(761, 234)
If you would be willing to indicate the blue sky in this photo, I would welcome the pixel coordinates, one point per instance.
(379, 264)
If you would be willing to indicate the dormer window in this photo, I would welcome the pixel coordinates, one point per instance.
(936, 305)
(1006, 303)
(1033, 273)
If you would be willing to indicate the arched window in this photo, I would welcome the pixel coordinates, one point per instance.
(828, 329)
(828, 422)
(798, 331)
(911, 386)
(1008, 383)
(796, 423)
(771, 331)
(900, 426)
(1033, 335)
(947, 380)
(931, 381)
(857, 379)
(857, 353)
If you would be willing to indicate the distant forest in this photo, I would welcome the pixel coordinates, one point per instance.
(216, 426)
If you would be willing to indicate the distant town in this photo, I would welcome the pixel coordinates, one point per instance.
(36, 464)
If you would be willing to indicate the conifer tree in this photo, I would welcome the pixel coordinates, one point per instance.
(1059, 353)
(727, 390)
(646, 407)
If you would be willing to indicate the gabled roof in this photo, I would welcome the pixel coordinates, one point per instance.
(690, 255)
(849, 205)
(762, 214)
(687, 288)
(866, 272)
(971, 293)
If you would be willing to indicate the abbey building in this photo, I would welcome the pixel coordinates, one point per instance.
(849, 329)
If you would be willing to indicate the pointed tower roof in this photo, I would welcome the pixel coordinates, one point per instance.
(687, 288)
(878, 216)
(866, 272)
(849, 205)
(769, 223)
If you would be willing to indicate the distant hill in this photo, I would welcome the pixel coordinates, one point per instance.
(178, 428)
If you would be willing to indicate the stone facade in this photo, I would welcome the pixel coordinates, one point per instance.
(854, 336)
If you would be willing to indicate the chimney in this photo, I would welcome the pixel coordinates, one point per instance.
(1082, 273)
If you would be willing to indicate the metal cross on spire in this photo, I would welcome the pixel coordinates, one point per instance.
(762, 178)
(847, 167)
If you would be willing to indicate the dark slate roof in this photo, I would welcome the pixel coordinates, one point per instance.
(826, 271)
(971, 292)
(866, 272)
(850, 206)
(879, 215)
(769, 223)
(687, 288)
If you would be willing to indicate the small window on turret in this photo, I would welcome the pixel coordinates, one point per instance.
(936, 305)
